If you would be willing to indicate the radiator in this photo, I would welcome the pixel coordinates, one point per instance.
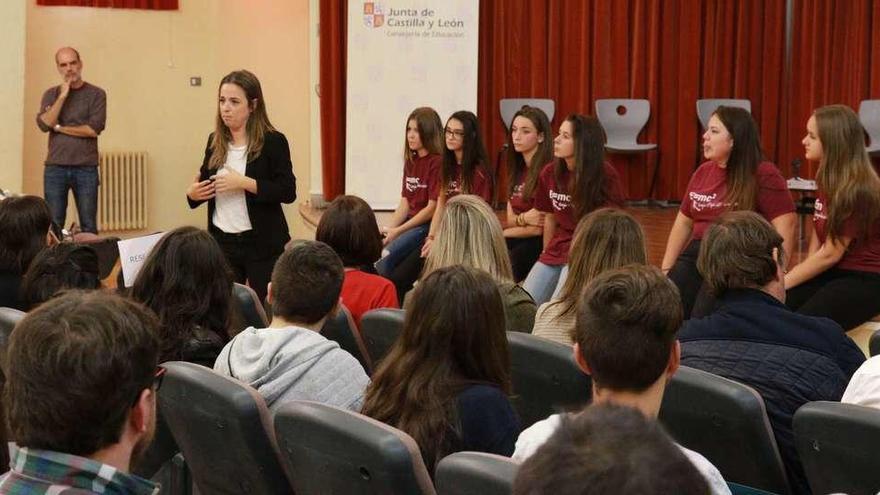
(122, 200)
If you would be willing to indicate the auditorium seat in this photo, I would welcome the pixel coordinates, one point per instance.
(545, 378)
(509, 107)
(331, 450)
(874, 343)
(869, 115)
(726, 422)
(706, 107)
(379, 330)
(341, 329)
(224, 431)
(837, 444)
(623, 119)
(475, 473)
(9, 317)
(249, 308)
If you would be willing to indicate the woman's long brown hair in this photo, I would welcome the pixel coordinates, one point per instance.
(745, 155)
(845, 174)
(516, 163)
(605, 239)
(453, 336)
(588, 181)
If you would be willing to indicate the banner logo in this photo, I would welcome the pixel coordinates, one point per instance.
(374, 14)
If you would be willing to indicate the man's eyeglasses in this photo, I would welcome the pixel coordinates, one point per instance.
(155, 384)
(454, 133)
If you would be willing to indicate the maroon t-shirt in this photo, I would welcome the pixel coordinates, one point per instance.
(421, 182)
(704, 200)
(481, 185)
(863, 254)
(517, 203)
(551, 198)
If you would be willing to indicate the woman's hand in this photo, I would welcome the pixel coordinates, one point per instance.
(200, 191)
(391, 233)
(426, 247)
(231, 181)
(534, 217)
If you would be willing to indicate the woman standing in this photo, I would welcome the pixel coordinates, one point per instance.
(245, 176)
(529, 149)
(734, 177)
(576, 183)
(840, 278)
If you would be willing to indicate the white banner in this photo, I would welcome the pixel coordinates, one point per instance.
(402, 54)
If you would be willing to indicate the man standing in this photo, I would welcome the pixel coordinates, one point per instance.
(73, 113)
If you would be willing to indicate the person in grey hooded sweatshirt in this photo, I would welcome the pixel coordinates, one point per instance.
(291, 360)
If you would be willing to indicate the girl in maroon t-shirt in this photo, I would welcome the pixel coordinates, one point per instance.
(408, 226)
(576, 183)
(529, 147)
(840, 278)
(464, 166)
(463, 171)
(735, 177)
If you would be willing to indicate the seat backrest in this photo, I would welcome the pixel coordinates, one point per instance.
(545, 378)
(107, 249)
(623, 119)
(341, 329)
(874, 343)
(726, 422)
(9, 317)
(475, 473)
(379, 330)
(869, 115)
(509, 107)
(837, 444)
(331, 450)
(223, 429)
(250, 308)
(706, 107)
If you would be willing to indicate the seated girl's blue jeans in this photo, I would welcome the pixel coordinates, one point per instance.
(545, 281)
(395, 252)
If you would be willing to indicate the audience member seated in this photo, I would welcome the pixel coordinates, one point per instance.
(446, 379)
(81, 395)
(609, 449)
(470, 235)
(605, 239)
(186, 281)
(349, 227)
(864, 387)
(291, 360)
(753, 338)
(58, 268)
(26, 227)
(625, 340)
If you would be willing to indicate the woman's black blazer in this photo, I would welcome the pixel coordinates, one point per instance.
(276, 184)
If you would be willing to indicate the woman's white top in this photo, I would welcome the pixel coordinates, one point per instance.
(230, 208)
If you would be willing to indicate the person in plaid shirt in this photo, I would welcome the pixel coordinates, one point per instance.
(81, 396)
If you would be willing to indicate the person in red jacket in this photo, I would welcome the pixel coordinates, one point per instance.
(349, 227)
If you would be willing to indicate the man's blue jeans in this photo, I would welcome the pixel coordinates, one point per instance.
(58, 179)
